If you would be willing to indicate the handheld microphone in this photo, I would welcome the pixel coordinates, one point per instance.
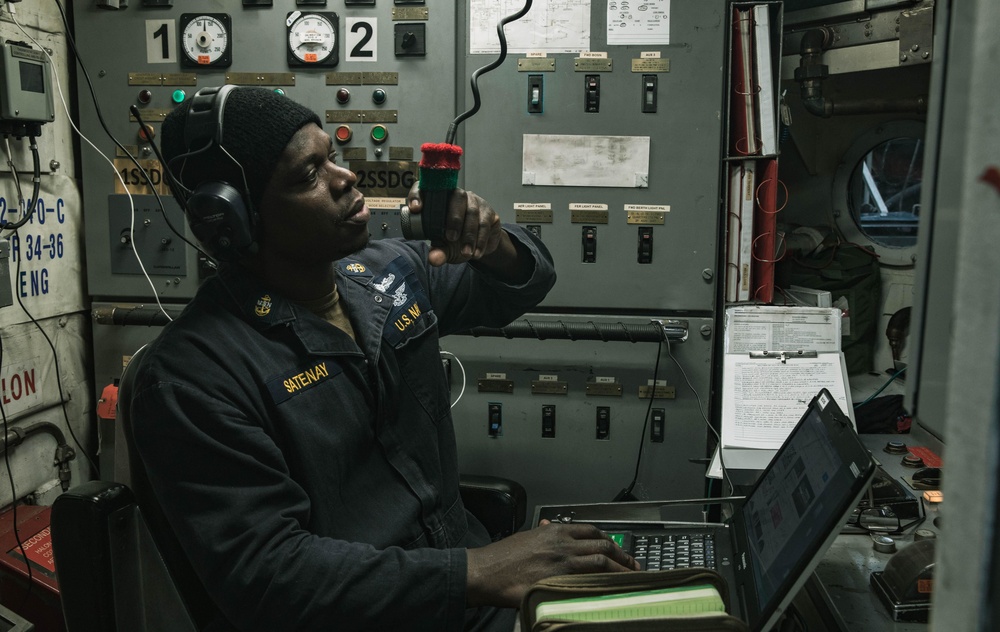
(439, 167)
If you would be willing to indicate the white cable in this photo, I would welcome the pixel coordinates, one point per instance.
(131, 202)
(462, 369)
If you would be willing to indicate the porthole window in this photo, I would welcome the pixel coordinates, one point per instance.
(884, 192)
(876, 191)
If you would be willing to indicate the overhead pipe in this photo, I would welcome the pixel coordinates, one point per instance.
(812, 71)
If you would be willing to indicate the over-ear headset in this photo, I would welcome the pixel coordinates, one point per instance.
(220, 213)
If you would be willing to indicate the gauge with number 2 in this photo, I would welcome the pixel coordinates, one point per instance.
(312, 38)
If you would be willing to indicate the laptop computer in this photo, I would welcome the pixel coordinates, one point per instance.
(777, 535)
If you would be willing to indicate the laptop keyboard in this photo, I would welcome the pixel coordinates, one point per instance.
(665, 552)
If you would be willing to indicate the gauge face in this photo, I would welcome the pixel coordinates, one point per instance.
(312, 38)
(205, 39)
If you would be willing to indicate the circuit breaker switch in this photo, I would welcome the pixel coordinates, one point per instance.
(645, 244)
(495, 420)
(592, 93)
(656, 425)
(535, 94)
(590, 244)
(549, 421)
(603, 423)
(649, 94)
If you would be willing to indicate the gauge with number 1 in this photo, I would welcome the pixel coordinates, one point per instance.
(206, 39)
(312, 38)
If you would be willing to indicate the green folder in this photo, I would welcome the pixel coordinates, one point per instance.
(685, 601)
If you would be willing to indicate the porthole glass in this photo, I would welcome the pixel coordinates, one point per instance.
(884, 192)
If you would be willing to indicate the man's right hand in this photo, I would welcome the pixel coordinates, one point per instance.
(500, 573)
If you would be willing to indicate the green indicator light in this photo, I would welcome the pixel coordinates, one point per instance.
(619, 538)
(178, 96)
(280, 91)
(379, 133)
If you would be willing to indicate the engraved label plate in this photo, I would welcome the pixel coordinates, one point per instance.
(152, 115)
(545, 387)
(380, 116)
(345, 116)
(380, 78)
(409, 13)
(604, 389)
(401, 153)
(355, 153)
(344, 78)
(651, 65)
(180, 79)
(645, 217)
(533, 216)
(261, 78)
(580, 216)
(496, 386)
(145, 79)
(536, 64)
(662, 392)
(598, 64)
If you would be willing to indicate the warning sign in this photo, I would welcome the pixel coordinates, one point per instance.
(38, 549)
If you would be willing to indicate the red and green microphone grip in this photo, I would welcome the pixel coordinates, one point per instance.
(439, 167)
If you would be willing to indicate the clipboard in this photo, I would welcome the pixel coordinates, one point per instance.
(766, 390)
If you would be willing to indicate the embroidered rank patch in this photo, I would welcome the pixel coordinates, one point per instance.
(284, 387)
(354, 268)
(263, 306)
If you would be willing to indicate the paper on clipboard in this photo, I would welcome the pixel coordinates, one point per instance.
(764, 396)
(773, 328)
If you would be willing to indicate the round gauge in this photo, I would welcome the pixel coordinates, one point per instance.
(205, 39)
(312, 38)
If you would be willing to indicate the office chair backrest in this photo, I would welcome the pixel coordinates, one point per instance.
(200, 607)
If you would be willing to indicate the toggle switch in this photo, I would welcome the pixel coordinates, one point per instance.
(649, 94)
(549, 421)
(656, 425)
(645, 244)
(590, 244)
(592, 93)
(535, 94)
(603, 423)
(495, 427)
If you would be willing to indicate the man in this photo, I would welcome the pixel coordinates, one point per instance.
(294, 421)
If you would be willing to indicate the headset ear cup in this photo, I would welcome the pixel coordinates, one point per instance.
(220, 220)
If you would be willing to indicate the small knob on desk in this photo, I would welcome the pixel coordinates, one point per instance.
(895, 447)
(911, 460)
(883, 544)
(924, 534)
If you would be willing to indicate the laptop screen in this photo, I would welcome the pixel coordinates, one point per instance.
(795, 504)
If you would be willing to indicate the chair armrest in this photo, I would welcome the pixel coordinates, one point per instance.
(81, 544)
(499, 503)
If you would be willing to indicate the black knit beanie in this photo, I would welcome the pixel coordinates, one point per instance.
(256, 126)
